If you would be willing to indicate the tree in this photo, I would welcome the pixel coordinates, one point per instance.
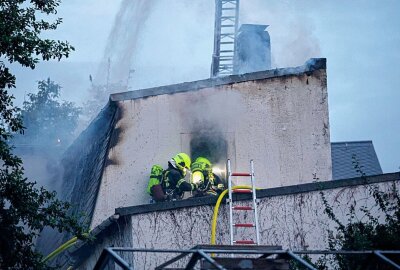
(371, 232)
(25, 209)
(49, 121)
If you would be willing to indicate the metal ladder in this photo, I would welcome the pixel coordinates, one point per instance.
(225, 32)
(243, 208)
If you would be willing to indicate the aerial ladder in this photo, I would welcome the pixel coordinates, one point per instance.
(225, 33)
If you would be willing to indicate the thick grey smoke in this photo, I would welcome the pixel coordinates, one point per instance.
(206, 113)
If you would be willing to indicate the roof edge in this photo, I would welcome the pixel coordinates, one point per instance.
(353, 142)
(264, 193)
(312, 64)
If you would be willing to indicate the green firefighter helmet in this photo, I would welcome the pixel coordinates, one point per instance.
(201, 164)
(182, 162)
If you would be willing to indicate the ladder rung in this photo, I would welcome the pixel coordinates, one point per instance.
(240, 174)
(228, 8)
(244, 242)
(227, 42)
(242, 208)
(225, 51)
(242, 191)
(228, 25)
(246, 225)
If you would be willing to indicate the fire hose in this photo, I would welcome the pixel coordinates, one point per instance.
(216, 209)
(63, 247)
(73, 240)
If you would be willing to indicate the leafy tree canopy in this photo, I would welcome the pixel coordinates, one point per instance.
(48, 121)
(25, 209)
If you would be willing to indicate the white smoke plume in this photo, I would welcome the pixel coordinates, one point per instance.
(160, 42)
(292, 38)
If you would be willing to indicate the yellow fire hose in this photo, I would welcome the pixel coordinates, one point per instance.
(63, 247)
(73, 240)
(216, 208)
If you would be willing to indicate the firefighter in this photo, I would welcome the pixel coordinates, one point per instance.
(173, 181)
(208, 182)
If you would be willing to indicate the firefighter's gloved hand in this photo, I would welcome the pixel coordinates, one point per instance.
(195, 186)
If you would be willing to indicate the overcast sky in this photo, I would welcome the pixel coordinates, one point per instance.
(360, 39)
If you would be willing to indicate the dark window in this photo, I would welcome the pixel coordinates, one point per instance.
(210, 145)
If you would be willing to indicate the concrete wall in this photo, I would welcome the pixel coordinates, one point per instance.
(280, 122)
(294, 221)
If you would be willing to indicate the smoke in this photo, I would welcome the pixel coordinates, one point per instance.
(50, 125)
(171, 41)
(292, 33)
(161, 42)
(206, 119)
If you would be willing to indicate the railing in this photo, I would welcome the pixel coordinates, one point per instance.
(204, 253)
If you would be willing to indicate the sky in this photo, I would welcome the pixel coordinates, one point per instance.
(174, 42)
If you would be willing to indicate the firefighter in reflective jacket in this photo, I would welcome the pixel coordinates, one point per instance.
(208, 182)
(173, 183)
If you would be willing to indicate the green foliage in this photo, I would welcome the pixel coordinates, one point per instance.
(25, 209)
(20, 29)
(370, 232)
(320, 264)
(47, 120)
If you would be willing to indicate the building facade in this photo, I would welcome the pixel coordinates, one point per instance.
(278, 118)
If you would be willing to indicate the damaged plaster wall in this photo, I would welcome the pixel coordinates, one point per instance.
(294, 221)
(281, 123)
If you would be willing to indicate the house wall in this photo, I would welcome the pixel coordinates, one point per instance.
(294, 221)
(281, 123)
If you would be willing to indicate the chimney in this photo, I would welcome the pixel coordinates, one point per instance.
(253, 50)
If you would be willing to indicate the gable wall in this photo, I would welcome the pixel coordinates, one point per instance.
(281, 123)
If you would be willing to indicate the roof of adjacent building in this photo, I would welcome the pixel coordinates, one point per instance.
(347, 155)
